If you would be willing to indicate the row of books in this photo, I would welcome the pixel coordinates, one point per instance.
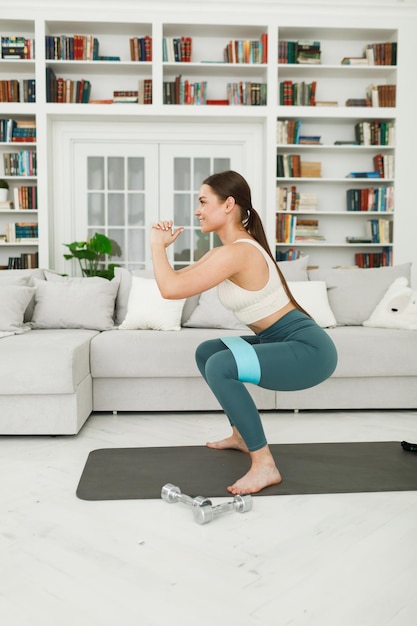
(384, 165)
(247, 50)
(14, 90)
(184, 92)
(299, 52)
(382, 95)
(66, 90)
(291, 228)
(380, 230)
(289, 132)
(71, 48)
(291, 166)
(288, 255)
(27, 260)
(247, 93)
(12, 130)
(25, 198)
(375, 54)
(370, 199)
(297, 94)
(374, 259)
(141, 48)
(177, 49)
(22, 232)
(17, 47)
(375, 133)
(22, 163)
(290, 199)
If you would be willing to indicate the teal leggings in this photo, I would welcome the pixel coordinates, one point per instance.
(294, 353)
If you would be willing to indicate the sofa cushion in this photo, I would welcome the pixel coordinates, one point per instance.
(312, 296)
(23, 277)
(211, 313)
(148, 354)
(14, 300)
(49, 361)
(354, 293)
(397, 309)
(75, 303)
(371, 352)
(147, 309)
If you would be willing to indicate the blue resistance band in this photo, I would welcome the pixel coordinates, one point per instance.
(248, 367)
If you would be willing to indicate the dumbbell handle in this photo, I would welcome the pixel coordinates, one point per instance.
(205, 513)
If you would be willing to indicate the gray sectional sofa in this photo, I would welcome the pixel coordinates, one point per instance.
(83, 345)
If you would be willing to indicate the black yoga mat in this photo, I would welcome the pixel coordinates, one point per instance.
(140, 473)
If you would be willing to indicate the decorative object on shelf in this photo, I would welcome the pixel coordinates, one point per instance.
(4, 190)
(91, 255)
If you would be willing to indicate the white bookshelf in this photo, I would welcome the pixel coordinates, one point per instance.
(210, 34)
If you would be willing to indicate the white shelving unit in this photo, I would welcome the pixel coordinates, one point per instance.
(210, 34)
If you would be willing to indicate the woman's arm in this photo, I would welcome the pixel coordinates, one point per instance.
(214, 267)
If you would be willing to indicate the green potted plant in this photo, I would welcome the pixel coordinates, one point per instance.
(4, 190)
(91, 254)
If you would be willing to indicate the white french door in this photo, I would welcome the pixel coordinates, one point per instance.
(120, 185)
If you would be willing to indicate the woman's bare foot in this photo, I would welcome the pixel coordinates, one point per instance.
(234, 442)
(262, 473)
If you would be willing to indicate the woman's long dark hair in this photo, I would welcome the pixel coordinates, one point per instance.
(230, 183)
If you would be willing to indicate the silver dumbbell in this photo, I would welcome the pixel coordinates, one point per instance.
(206, 512)
(172, 494)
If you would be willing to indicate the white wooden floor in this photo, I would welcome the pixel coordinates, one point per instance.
(320, 560)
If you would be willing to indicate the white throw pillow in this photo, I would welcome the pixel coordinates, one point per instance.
(148, 310)
(75, 303)
(14, 300)
(397, 309)
(211, 313)
(312, 296)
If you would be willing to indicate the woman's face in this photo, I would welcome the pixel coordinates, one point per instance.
(211, 211)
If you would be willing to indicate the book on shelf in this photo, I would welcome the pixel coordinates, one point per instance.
(299, 51)
(145, 91)
(374, 259)
(297, 94)
(288, 131)
(218, 102)
(288, 165)
(380, 199)
(71, 48)
(382, 53)
(379, 230)
(310, 169)
(326, 103)
(358, 239)
(340, 142)
(247, 50)
(12, 130)
(66, 91)
(141, 48)
(177, 49)
(23, 232)
(22, 163)
(382, 95)
(13, 91)
(27, 260)
(288, 255)
(363, 175)
(363, 60)
(125, 96)
(307, 230)
(375, 133)
(17, 47)
(25, 198)
(384, 165)
(6, 205)
(185, 92)
(358, 102)
(247, 93)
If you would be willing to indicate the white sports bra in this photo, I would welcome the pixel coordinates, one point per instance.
(251, 306)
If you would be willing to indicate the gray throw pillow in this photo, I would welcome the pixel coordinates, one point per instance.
(354, 293)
